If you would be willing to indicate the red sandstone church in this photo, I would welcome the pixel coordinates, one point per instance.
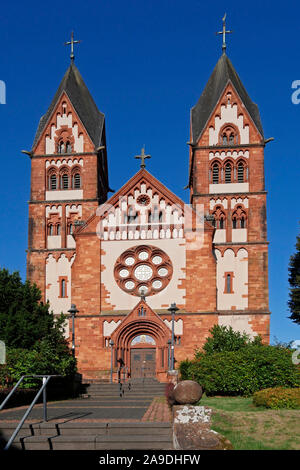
(122, 261)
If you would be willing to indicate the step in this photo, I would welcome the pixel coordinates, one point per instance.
(94, 442)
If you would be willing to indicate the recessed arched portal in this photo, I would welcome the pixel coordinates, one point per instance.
(142, 343)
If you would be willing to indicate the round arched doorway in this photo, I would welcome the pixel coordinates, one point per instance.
(142, 344)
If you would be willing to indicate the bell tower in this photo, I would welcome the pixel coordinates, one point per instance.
(226, 176)
(69, 179)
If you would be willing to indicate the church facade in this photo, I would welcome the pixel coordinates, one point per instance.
(123, 260)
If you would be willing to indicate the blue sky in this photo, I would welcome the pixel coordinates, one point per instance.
(146, 64)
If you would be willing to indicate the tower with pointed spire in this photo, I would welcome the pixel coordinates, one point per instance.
(226, 176)
(69, 179)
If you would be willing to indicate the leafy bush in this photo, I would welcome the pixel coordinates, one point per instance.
(245, 371)
(43, 359)
(278, 397)
(184, 368)
(224, 338)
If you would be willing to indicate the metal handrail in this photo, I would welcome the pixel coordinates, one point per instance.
(46, 379)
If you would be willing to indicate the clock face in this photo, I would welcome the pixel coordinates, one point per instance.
(143, 270)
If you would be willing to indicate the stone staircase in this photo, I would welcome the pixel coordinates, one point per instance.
(96, 434)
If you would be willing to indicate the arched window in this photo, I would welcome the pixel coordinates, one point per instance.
(132, 216)
(52, 182)
(219, 218)
(216, 173)
(228, 283)
(241, 172)
(50, 229)
(68, 147)
(63, 292)
(76, 182)
(61, 147)
(228, 173)
(239, 218)
(58, 229)
(228, 136)
(64, 182)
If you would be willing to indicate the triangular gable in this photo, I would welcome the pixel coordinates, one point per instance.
(92, 119)
(223, 74)
(127, 190)
(56, 114)
(140, 320)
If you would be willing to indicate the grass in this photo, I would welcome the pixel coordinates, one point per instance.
(254, 428)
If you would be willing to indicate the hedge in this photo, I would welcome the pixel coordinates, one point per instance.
(242, 372)
(278, 397)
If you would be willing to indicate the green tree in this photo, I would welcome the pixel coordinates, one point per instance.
(224, 339)
(34, 337)
(24, 319)
(294, 280)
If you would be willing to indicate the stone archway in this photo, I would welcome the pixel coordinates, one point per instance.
(143, 321)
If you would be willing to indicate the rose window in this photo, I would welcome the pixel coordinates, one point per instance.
(143, 270)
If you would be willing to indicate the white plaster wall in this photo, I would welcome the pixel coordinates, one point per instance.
(239, 200)
(229, 153)
(215, 202)
(228, 188)
(239, 323)
(109, 327)
(53, 210)
(64, 120)
(239, 266)
(71, 241)
(70, 162)
(53, 241)
(229, 115)
(239, 235)
(220, 236)
(174, 248)
(63, 195)
(54, 269)
(178, 326)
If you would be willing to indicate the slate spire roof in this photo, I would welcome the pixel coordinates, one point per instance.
(92, 119)
(223, 73)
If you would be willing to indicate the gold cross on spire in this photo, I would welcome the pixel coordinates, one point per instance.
(71, 43)
(224, 32)
(143, 157)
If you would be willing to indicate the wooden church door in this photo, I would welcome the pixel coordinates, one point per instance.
(143, 362)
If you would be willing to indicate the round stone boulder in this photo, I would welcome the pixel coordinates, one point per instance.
(187, 392)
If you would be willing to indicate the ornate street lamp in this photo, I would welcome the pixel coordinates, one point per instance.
(73, 310)
(173, 309)
(169, 354)
(111, 343)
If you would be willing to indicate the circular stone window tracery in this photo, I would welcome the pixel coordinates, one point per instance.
(143, 269)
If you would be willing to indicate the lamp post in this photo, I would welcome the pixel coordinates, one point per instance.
(173, 309)
(73, 310)
(111, 343)
(169, 354)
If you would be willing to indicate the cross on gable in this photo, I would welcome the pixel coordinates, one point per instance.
(224, 32)
(71, 43)
(142, 157)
